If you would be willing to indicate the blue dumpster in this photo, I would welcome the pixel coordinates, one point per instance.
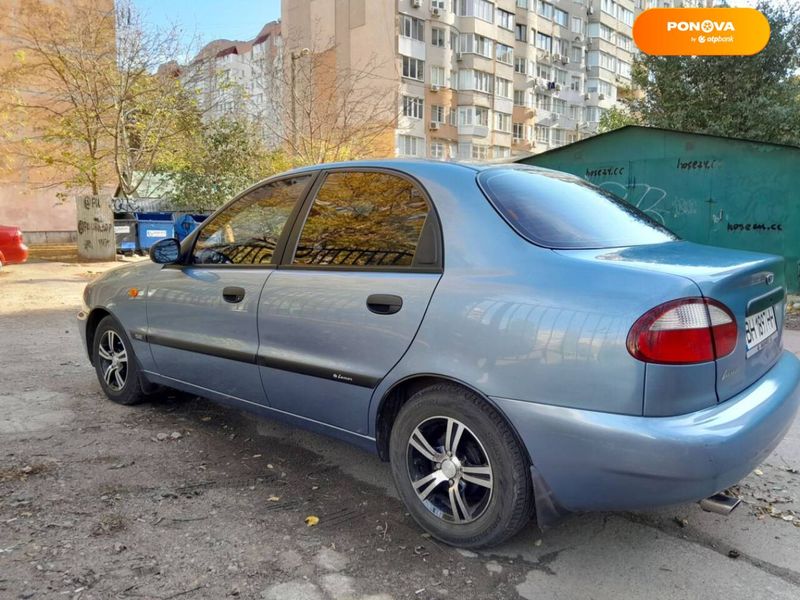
(153, 227)
(186, 224)
(125, 232)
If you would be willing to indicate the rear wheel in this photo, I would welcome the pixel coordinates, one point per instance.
(115, 363)
(459, 468)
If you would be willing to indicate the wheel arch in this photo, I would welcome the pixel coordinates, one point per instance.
(92, 321)
(402, 390)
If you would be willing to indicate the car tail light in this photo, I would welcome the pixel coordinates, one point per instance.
(685, 331)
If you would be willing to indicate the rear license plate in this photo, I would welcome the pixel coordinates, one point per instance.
(758, 328)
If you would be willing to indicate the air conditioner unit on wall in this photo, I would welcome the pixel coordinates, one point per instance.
(416, 3)
(435, 88)
(601, 96)
(435, 11)
(434, 126)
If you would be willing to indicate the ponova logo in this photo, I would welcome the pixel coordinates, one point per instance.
(701, 31)
(707, 26)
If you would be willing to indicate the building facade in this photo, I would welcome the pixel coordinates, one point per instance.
(481, 79)
(239, 76)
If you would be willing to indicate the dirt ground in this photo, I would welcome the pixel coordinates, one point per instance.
(180, 498)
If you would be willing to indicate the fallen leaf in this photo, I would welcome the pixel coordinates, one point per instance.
(311, 520)
(274, 498)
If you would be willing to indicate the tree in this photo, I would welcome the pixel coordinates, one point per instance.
(99, 113)
(614, 118)
(753, 97)
(321, 112)
(222, 158)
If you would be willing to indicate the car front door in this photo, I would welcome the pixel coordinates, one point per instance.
(202, 315)
(358, 274)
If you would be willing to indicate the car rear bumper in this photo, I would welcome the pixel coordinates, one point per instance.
(15, 255)
(602, 461)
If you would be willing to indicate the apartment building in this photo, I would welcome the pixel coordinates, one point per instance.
(485, 79)
(230, 76)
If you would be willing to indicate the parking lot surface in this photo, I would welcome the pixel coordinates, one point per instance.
(180, 498)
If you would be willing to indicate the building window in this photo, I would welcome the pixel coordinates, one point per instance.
(624, 42)
(518, 131)
(438, 76)
(413, 107)
(505, 54)
(522, 3)
(544, 42)
(558, 137)
(544, 9)
(502, 122)
(576, 55)
(475, 80)
(438, 4)
(437, 113)
(577, 25)
(544, 72)
(521, 66)
(575, 84)
(543, 102)
(560, 17)
(542, 134)
(413, 68)
(505, 19)
(522, 98)
(412, 27)
(482, 9)
(476, 44)
(560, 77)
(501, 152)
(473, 115)
(521, 32)
(410, 145)
(574, 112)
(503, 88)
(437, 150)
(438, 37)
(559, 106)
(479, 152)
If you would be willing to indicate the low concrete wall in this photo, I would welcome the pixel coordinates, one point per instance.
(50, 237)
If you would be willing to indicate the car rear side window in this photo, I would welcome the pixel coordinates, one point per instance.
(363, 219)
(558, 210)
(247, 231)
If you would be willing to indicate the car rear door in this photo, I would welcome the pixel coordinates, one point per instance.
(358, 273)
(202, 315)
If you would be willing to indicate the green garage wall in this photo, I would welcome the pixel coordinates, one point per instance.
(707, 189)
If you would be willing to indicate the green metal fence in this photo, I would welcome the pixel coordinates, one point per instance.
(707, 189)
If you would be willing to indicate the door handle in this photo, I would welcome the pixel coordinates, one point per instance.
(384, 304)
(233, 294)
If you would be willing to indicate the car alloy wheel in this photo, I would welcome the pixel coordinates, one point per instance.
(113, 360)
(449, 470)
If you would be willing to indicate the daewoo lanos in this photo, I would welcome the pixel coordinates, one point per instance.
(512, 340)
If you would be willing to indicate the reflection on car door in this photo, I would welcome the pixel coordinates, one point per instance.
(346, 306)
(202, 324)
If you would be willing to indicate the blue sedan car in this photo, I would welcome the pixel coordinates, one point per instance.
(513, 340)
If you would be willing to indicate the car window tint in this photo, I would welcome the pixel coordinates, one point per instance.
(247, 232)
(363, 219)
(558, 210)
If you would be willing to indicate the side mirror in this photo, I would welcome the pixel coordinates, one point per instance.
(165, 252)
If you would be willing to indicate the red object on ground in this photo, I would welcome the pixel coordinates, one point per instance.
(12, 247)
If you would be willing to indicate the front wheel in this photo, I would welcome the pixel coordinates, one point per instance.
(459, 468)
(115, 363)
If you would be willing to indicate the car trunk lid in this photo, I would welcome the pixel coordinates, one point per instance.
(750, 284)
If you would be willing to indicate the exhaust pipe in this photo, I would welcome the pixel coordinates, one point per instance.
(721, 503)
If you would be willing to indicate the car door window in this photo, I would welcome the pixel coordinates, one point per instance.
(247, 232)
(363, 219)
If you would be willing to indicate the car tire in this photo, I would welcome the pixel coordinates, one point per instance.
(115, 363)
(478, 495)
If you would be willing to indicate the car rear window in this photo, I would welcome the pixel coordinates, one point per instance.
(561, 211)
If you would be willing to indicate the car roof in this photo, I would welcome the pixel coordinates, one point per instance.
(401, 164)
